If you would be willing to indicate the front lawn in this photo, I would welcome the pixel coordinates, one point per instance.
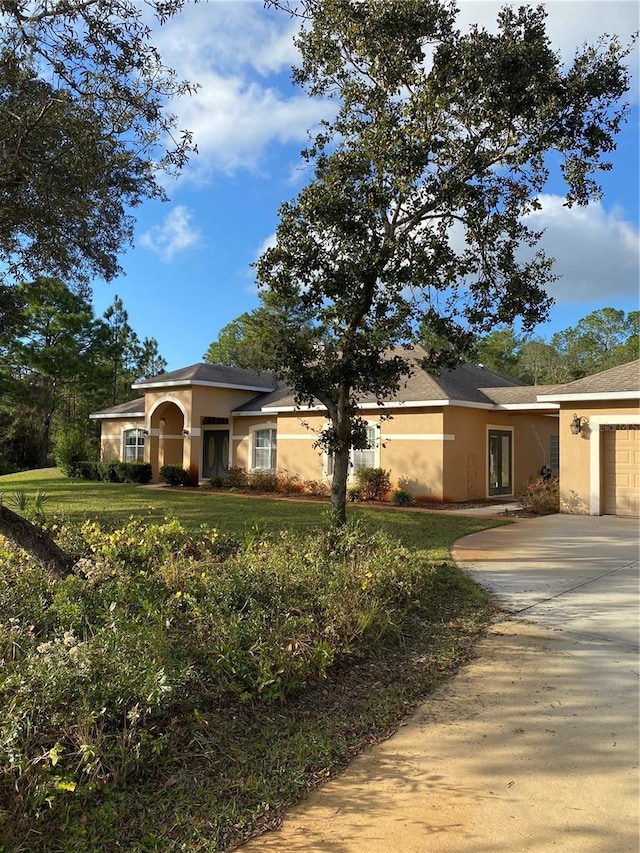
(185, 685)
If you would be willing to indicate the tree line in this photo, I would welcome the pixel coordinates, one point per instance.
(58, 363)
(602, 339)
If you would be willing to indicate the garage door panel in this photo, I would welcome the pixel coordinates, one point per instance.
(621, 472)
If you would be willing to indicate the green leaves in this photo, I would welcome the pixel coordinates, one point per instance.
(80, 78)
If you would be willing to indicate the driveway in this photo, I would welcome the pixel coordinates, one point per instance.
(534, 745)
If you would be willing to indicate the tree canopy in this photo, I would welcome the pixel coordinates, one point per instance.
(417, 209)
(602, 339)
(84, 128)
(240, 343)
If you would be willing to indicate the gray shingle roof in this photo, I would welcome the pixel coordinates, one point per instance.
(520, 394)
(466, 383)
(622, 379)
(211, 374)
(131, 408)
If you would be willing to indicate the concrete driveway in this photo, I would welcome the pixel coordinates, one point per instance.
(534, 745)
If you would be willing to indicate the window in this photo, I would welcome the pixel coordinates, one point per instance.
(133, 445)
(264, 449)
(366, 458)
(554, 451)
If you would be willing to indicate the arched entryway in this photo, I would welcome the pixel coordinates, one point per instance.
(166, 433)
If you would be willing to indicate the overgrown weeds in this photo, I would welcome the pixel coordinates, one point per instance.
(227, 673)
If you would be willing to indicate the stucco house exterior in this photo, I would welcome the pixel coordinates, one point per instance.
(468, 434)
(599, 435)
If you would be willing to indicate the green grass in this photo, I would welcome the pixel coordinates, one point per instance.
(234, 513)
(226, 772)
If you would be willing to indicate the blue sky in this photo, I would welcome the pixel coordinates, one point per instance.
(189, 273)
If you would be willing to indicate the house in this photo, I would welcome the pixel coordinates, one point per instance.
(599, 434)
(467, 434)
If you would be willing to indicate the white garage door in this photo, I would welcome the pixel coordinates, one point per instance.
(621, 480)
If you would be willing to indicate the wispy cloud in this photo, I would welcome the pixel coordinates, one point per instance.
(174, 235)
(240, 55)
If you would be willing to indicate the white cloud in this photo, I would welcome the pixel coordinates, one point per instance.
(268, 243)
(175, 234)
(240, 55)
(597, 252)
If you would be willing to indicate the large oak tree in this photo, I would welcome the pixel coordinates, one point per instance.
(84, 129)
(417, 209)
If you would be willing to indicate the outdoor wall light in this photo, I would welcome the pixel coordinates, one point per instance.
(577, 424)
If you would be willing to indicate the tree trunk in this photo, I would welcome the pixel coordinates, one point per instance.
(341, 420)
(32, 539)
(339, 484)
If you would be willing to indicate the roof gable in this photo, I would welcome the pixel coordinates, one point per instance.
(216, 375)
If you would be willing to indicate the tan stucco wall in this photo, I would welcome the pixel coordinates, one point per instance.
(111, 435)
(465, 458)
(575, 452)
(185, 408)
(412, 451)
(297, 432)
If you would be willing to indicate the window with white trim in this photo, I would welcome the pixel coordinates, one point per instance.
(554, 451)
(133, 445)
(264, 450)
(368, 457)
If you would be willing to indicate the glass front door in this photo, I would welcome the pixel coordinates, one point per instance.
(215, 448)
(500, 462)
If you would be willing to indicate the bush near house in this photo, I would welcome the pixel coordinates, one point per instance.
(111, 471)
(173, 475)
(372, 484)
(541, 497)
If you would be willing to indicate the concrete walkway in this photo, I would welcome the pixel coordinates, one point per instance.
(534, 745)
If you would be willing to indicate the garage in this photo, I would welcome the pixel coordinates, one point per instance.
(621, 470)
(599, 438)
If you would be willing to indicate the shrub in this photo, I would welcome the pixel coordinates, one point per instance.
(541, 497)
(87, 470)
(158, 620)
(109, 471)
(8, 468)
(70, 448)
(354, 494)
(136, 472)
(262, 481)
(401, 498)
(317, 488)
(236, 478)
(290, 484)
(173, 475)
(373, 483)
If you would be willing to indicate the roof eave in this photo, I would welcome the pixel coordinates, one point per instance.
(589, 396)
(112, 416)
(175, 383)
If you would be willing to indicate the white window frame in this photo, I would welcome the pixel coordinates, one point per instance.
(554, 452)
(327, 458)
(138, 447)
(272, 449)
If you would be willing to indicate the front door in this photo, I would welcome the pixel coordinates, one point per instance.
(500, 462)
(215, 448)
